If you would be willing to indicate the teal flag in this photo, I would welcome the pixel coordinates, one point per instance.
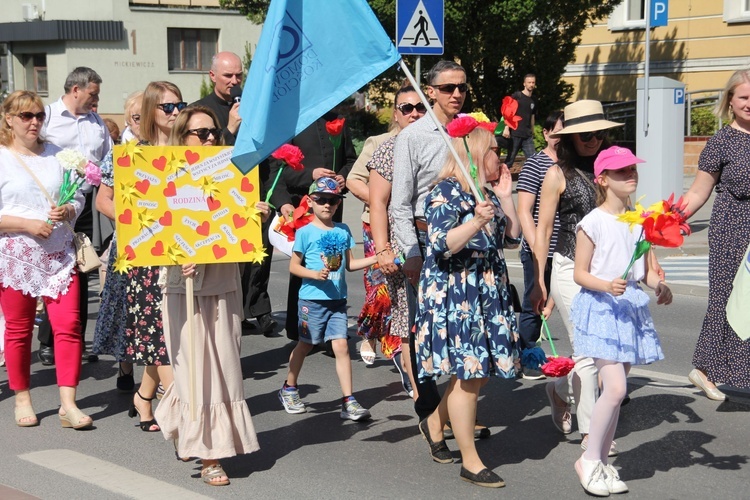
(310, 57)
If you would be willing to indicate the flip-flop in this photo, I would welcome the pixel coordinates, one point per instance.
(368, 357)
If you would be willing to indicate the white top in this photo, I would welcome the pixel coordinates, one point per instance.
(35, 266)
(86, 133)
(614, 244)
(127, 135)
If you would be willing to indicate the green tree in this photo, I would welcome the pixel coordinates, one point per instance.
(497, 41)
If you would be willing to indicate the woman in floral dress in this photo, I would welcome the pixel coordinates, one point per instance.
(466, 327)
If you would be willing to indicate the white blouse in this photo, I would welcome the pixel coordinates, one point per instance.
(35, 266)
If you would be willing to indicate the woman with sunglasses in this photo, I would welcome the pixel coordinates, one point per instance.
(465, 321)
(568, 189)
(37, 258)
(144, 335)
(376, 319)
(132, 106)
(224, 427)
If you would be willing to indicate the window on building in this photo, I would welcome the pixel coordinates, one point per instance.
(636, 10)
(35, 66)
(746, 7)
(191, 49)
(736, 11)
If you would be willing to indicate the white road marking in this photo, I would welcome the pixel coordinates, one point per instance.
(107, 475)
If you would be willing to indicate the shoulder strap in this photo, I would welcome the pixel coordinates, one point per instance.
(588, 181)
(36, 179)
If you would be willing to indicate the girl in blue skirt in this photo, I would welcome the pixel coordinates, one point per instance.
(610, 315)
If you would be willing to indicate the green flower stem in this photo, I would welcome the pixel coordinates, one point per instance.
(336, 141)
(549, 337)
(273, 186)
(473, 171)
(641, 247)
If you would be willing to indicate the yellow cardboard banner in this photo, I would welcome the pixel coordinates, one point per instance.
(181, 204)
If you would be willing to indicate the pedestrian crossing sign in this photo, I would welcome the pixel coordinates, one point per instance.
(419, 27)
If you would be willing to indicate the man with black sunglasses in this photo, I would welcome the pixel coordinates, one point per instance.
(72, 123)
(523, 137)
(418, 156)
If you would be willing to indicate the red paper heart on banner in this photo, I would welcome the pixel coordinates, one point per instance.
(126, 217)
(213, 204)
(166, 219)
(143, 186)
(203, 229)
(247, 246)
(239, 221)
(170, 190)
(246, 185)
(160, 163)
(130, 252)
(123, 161)
(157, 249)
(219, 251)
(192, 157)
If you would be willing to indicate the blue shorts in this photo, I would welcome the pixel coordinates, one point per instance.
(322, 320)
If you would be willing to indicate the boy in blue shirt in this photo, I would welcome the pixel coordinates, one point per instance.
(320, 250)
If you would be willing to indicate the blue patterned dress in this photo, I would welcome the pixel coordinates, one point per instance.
(465, 324)
(109, 334)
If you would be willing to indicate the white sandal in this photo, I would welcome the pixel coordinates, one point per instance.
(368, 357)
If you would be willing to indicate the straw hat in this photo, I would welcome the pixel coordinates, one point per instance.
(585, 116)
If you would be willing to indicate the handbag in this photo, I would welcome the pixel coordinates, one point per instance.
(87, 259)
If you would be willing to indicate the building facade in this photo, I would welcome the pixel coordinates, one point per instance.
(704, 42)
(128, 42)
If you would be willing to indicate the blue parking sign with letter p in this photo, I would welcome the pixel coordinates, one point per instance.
(659, 12)
(679, 96)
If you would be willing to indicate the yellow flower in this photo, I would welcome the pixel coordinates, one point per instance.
(479, 116)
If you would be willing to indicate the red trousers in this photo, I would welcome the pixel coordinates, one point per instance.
(20, 310)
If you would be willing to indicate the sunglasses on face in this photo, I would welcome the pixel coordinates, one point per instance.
(449, 88)
(136, 118)
(587, 136)
(203, 133)
(326, 200)
(27, 116)
(168, 107)
(406, 108)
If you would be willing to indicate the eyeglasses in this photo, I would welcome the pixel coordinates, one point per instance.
(587, 136)
(449, 88)
(136, 118)
(406, 108)
(168, 107)
(26, 116)
(326, 200)
(203, 133)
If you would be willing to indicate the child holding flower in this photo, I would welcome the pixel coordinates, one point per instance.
(321, 248)
(612, 322)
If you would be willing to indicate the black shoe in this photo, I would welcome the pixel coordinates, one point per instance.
(439, 451)
(480, 431)
(47, 356)
(531, 374)
(484, 477)
(267, 324)
(249, 328)
(87, 356)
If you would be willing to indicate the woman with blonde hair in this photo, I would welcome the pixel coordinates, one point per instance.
(720, 355)
(466, 327)
(37, 258)
(132, 109)
(224, 427)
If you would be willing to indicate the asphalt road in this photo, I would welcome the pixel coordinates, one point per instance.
(674, 442)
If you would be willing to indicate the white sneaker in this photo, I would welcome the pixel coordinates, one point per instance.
(612, 478)
(560, 414)
(592, 477)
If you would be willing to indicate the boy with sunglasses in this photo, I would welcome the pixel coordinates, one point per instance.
(322, 297)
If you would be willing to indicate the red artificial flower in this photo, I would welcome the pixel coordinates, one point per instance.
(335, 127)
(491, 126)
(557, 366)
(461, 125)
(679, 212)
(508, 112)
(300, 218)
(291, 155)
(663, 230)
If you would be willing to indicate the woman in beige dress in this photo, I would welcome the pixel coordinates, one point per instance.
(223, 427)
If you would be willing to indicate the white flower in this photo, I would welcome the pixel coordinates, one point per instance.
(71, 159)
